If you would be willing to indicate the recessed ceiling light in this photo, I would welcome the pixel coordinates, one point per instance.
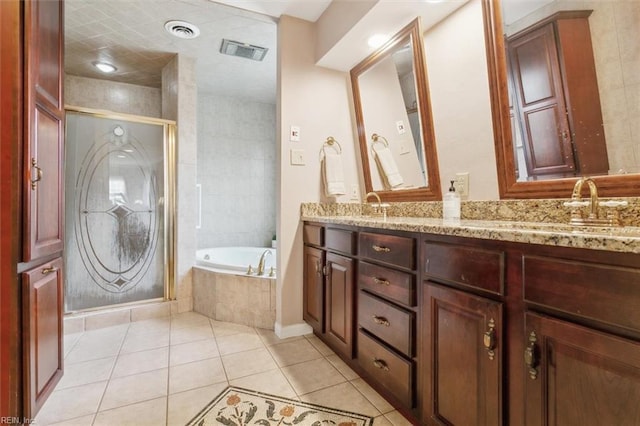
(182, 29)
(377, 40)
(104, 66)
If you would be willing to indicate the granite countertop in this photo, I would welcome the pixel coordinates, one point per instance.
(625, 239)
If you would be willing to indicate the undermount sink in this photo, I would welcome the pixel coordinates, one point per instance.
(562, 228)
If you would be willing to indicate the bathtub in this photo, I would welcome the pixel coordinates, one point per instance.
(236, 260)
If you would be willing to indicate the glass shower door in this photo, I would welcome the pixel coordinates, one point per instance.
(115, 211)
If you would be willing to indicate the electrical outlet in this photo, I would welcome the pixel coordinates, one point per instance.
(294, 134)
(462, 184)
(354, 192)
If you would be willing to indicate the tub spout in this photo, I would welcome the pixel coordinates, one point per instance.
(261, 263)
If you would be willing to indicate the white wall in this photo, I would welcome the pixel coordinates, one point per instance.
(237, 171)
(459, 89)
(318, 101)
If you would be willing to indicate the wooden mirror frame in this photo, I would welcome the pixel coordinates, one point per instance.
(509, 187)
(432, 191)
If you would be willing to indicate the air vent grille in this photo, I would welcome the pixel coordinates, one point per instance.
(243, 50)
(182, 29)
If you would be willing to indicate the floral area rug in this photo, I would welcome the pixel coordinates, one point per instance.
(242, 407)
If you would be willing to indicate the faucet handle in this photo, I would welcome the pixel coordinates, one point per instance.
(614, 203)
(575, 203)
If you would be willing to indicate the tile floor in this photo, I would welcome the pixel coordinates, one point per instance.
(163, 371)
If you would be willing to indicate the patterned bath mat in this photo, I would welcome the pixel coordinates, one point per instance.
(242, 407)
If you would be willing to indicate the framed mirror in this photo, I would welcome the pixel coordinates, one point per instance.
(393, 116)
(576, 115)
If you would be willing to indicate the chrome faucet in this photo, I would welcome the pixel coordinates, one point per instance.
(577, 217)
(261, 263)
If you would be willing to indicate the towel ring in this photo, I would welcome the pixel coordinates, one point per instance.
(377, 139)
(330, 142)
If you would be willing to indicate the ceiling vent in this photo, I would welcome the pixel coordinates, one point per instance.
(182, 29)
(243, 50)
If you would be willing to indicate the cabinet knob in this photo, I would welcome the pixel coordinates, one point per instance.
(531, 355)
(380, 364)
(381, 249)
(39, 174)
(489, 339)
(381, 281)
(381, 320)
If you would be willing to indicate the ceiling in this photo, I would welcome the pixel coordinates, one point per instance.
(130, 35)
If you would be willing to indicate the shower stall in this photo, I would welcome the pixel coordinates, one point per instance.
(119, 209)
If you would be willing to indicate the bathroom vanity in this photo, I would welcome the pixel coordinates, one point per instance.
(481, 323)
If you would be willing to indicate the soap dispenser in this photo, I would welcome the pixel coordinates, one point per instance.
(451, 205)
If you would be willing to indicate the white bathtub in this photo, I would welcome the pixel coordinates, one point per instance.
(236, 260)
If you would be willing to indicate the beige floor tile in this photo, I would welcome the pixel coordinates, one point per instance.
(135, 388)
(70, 403)
(136, 342)
(139, 362)
(103, 343)
(78, 421)
(191, 334)
(193, 351)
(319, 345)
(376, 399)
(196, 375)
(273, 382)
(342, 367)
(269, 337)
(150, 326)
(147, 413)
(382, 421)
(312, 375)
(344, 397)
(294, 352)
(183, 406)
(188, 320)
(70, 341)
(247, 363)
(221, 328)
(82, 373)
(397, 419)
(238, 343)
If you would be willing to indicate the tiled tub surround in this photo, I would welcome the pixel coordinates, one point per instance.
(239, 299)
(524, 221)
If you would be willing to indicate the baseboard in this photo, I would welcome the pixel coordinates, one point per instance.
(292, 330)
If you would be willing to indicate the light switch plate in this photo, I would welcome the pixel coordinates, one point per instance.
(462, 184)
(294, 134)
(400, 127)
(297, 157)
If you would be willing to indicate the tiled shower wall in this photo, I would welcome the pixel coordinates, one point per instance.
(237, 171)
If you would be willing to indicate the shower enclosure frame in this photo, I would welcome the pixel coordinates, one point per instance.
(169, 205)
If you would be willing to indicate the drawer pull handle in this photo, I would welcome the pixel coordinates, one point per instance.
(381, 281)
(531, 356)
(381, 249)
(381, 320)
(48, 270)
(380, 364)
(489, 339)
(39, 173)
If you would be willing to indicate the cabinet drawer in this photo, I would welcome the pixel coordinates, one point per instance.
(391, 249)
(387, 368)
(341, 240)
(389, 283)
(389, 323)
(599, 292)
(313, 234)
(468, 266)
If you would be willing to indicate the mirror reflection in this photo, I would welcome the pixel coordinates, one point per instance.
(573, 71)
(393, 118)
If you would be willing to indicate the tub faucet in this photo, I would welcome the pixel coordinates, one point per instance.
(261, 263)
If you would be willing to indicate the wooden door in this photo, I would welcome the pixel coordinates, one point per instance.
(462, 353)
(541, 104)
(313, 303)
(43, 156)
(42, 333)
(579, 376)
(339, 301)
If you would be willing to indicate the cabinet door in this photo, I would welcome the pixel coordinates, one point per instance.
(313, 304)
(462, 352)
(43, 159)
(579, 376)
(42, 333)
(339, 304)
